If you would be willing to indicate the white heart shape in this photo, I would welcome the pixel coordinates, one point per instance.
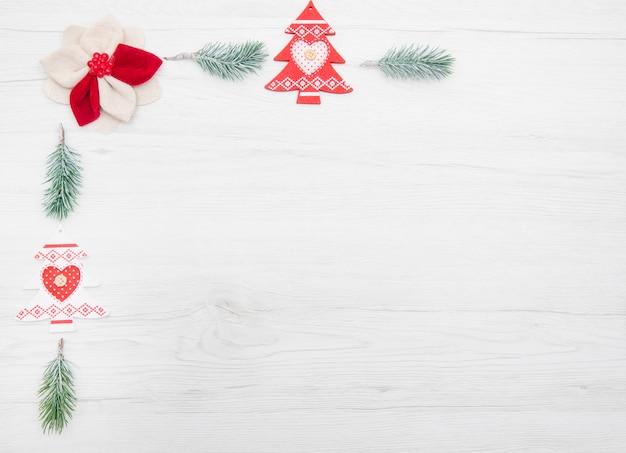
(309, 57)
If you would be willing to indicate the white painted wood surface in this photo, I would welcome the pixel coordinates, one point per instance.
(412, 267)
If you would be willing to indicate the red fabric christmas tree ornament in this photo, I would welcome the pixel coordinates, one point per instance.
(310, 56)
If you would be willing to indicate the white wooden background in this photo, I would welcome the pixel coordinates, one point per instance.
(412, 267)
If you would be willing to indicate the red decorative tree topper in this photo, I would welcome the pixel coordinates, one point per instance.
(309, 55)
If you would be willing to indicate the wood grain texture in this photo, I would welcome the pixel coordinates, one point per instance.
(413, 267)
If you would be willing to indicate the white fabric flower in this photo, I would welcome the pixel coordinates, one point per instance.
(102, 73)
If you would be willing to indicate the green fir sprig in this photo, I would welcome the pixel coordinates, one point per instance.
(63, 174)
(232, 61)
(415, 62)
(57, 399)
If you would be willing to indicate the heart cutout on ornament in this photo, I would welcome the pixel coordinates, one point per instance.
(309, 57)
(61, 283)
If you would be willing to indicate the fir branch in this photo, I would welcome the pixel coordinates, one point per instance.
(228, 61)
(63, 174)
(415, 62)
(57, 396)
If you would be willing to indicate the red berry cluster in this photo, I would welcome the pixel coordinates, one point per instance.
(100, 64)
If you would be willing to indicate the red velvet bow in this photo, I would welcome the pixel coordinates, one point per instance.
(130, 65)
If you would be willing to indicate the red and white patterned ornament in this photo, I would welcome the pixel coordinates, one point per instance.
(310, 56)
(60, 282)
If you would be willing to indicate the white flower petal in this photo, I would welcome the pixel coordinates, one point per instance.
(117, 98)
(56, 92)
(72, 34)
(105, 123)
(103, 37)
(133, 36)
(148, 92)
(67, 66)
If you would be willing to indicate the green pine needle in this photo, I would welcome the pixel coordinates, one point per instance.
(57, 396)
(231, 61)
(63, 175)
(416, 62)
